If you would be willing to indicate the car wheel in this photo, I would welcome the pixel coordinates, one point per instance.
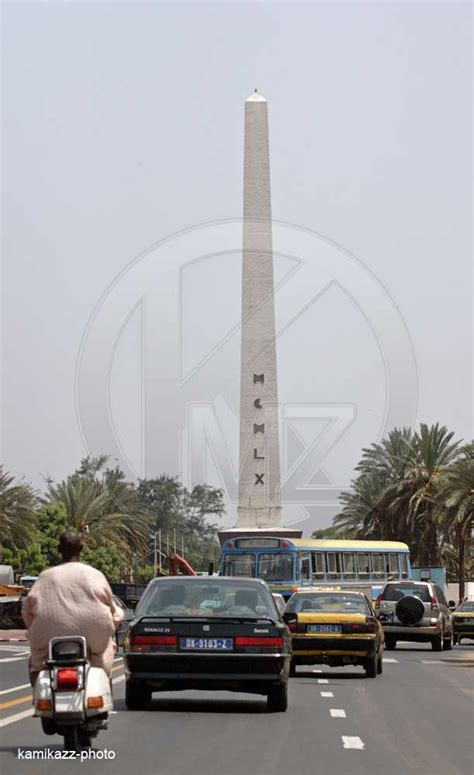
(371, 667)
(137, 696)
(277, 700)
(448, 643)
(292, 668)
(380, 665)
(390, 643)
(437, 642)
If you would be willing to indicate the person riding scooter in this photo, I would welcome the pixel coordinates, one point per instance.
(71, 599)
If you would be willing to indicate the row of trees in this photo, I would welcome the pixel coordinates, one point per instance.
(414, 486)
(417, 487)
(116, 518)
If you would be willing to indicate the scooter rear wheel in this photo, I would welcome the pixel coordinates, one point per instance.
(71, 738)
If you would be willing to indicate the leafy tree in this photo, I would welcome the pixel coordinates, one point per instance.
(106, 559)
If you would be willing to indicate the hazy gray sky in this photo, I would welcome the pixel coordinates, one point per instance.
(123, 124)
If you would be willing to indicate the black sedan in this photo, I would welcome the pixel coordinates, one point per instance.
(207, 633)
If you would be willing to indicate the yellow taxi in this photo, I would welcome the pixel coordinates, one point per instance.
(334, 627)
(463, 621)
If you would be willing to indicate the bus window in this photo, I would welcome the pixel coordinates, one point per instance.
(404, 565)
(317, 565)
(305, 567)
(348, 562)
(275, 567)
(240, 564)
(363, 567)
(377, 565)
(393, 565)
(334, 567)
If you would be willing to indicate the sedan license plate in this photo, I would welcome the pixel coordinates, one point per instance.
(207, 644)
(324, 628)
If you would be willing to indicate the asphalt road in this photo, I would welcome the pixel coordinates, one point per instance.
(417, 718)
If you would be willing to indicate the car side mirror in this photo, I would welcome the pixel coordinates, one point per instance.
(289, 617)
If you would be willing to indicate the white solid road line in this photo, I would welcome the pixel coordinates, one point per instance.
(353, 742)
(323, 681)
(327, 694)
(390, 661)
(428, 661)
(15, 659)
(15, 689)
(17, 717)
(337, 713)
(14, 648)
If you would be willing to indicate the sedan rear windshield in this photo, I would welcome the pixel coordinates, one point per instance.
(396, 592)
(328, 603)
(188, 598)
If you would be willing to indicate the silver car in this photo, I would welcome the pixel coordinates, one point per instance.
(415, 611)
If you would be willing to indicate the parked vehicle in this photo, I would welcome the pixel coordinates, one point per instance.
(128, 615)
(463, 621)
(334, 627)
(72, 698)
(211, 634)
(415, 611)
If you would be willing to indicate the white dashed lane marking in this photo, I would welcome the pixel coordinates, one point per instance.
(327, 694)
(323, 681)
(431, 662)
(390, 661)
(337, 713)
(353, 742)
(15, 689)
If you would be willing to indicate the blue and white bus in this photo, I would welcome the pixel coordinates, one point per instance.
(291, 564)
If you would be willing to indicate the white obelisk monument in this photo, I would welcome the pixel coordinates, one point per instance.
(259, 477)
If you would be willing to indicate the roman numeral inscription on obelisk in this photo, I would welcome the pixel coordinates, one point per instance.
(259, 478)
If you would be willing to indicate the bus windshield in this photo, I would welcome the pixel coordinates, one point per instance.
(275, 567)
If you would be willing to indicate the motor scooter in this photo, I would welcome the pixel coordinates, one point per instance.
(71, 697)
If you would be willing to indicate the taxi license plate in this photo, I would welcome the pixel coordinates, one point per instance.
(207, 644)
(324, 628)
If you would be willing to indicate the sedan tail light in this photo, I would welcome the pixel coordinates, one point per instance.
(143, 642)
(363, 627)
(250, 641)
(67, 679)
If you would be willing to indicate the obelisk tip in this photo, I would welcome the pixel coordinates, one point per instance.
(255, 97)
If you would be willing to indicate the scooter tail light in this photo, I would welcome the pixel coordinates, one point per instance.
(44, 705)
(95, 702)
(67, 678)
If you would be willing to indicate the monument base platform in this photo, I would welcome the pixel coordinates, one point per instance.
(254, 532)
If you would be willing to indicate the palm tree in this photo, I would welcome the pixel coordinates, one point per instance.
(454, 508)
(393, 496)
(101, 505)
(17, 507)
